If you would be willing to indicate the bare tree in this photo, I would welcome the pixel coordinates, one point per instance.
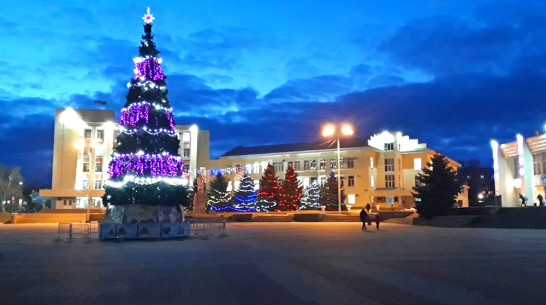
(10, 184)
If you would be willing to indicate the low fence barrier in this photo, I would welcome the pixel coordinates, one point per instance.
(188, 228)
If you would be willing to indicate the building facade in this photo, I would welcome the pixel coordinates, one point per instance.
(380, 170)
(519, 168)
(82, 149)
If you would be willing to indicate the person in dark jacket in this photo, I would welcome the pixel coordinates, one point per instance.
(540, 200)
(364, 218)
(377, 221)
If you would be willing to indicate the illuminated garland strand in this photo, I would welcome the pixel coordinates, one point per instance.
(136, 112)
(149, 67)
(154, 132)
(144, 165)
(146, 181)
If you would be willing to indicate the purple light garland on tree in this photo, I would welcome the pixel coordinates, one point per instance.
(146, 165)
(150, 68)
(132, 115)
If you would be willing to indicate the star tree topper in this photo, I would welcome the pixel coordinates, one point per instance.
(148, 18)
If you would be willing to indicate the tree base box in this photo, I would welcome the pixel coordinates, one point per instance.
(171, 230)
(108, 231)
(127, 231)
(149, 230)
(185, 229)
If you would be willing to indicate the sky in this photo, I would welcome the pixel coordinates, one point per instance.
(454, 74)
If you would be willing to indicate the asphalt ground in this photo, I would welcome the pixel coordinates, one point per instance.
(278, 263)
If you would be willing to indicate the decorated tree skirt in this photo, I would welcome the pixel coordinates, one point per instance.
(137, 213)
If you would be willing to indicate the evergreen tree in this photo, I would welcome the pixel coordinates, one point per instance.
(146, 168)
(328, 194)
(437, 188)
(219, 198)
(268, 194)
(311, 199)
(290, 192)
(245, 197)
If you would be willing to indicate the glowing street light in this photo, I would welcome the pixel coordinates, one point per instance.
(329, 130)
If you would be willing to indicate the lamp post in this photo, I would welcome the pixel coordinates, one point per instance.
(329, 130)
(80, 145)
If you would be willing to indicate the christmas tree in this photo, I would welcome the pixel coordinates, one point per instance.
(290, 192)
(437, 188)
(311, 200)
(328, 194)
(245, 197)
(146, 169)
(219, 198)
(268, 194)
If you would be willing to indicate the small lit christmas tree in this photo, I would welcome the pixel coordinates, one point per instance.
(311, 199)
(328, 194)
(290, 192)
(245, 197)
(268, 194)
(218, 197)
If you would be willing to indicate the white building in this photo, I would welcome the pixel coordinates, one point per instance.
(82, 149)
(520, 168)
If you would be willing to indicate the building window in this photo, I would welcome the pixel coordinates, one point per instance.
(371, 162)
(389, 200)
(85, 167)
(297, 165)
(372, 181)
(313, 164)
(186, 168)
(389, 165)
(350, 163)
(85, 185)
(87, 134)
(186, 152)
(322, 164)
(351, 181)
(389, 146)
(98, 184)
(539, 163)
(322, 180)
(98, 165)
(342, 162)
(100, 135)
(389, 181)
(306, 165)
(333, 163)
(417, 182)
(186, 137)
(417, 164)
(278, 166)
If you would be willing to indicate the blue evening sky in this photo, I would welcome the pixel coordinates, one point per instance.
(454, 74)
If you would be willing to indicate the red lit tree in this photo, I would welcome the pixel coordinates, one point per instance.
(268, 194)
(290, 192)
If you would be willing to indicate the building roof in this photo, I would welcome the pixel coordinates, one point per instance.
(296, 147)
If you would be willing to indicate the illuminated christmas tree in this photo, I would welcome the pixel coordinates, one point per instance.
(219, 198)
(245, 197)
(290, 192)
(146, 169)
(311, 199)
(268, 194)
(328, 194)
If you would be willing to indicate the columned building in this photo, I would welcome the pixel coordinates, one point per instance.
(520, 169)
(380, 170)
(82, 149)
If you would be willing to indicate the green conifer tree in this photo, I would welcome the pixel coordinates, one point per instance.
(437, 188)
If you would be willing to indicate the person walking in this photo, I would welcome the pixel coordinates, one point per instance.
(364, 218)
(377, 221)
(540, 199)
(523, 200)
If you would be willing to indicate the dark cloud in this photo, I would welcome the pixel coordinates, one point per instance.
(320, 88)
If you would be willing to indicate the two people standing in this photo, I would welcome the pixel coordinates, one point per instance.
(365, 218)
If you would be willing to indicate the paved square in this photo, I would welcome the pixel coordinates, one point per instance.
(279, 263)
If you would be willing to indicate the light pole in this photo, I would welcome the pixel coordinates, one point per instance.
(329, 130)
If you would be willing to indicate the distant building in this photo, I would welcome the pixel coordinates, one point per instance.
(380, 170)
(480, 182)
(82, 149)
(520, 168)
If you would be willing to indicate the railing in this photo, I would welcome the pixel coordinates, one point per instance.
(70, 230)
(205, 228)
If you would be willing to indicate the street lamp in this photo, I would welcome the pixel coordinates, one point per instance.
(329, 130)
(93, 145)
